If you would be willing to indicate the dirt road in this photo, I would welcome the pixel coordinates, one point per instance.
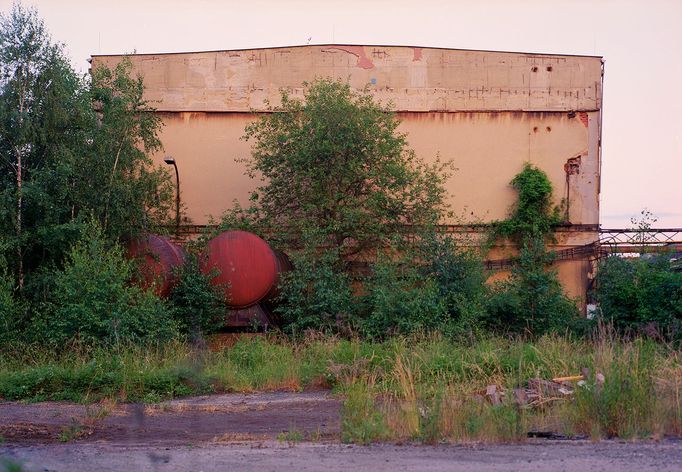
(251, 433)
(269, 456)
(262, 416)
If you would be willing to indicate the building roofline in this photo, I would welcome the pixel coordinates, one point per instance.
(345, 45)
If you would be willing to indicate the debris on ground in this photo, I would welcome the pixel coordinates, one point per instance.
(538, 392)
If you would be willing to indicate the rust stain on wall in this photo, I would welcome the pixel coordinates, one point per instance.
(417, 54)
(584, 119)
(572, 166)
(364, 62)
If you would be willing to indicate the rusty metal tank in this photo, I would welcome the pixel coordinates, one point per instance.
(157, 257)
(245, 266)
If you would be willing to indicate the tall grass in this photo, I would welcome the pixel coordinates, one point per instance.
(422, 388)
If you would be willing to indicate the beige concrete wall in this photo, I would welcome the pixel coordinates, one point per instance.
(414, 79)
(487, 149)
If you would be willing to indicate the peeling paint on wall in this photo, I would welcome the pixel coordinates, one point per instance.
(364, 62)
(413, 79)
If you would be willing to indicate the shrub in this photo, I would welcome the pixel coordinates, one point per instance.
(199, 307)
(460, 277)
(91, 299)
(640, 295)
(316, 295)
(400, 300)
(532, 301)
(534, 215)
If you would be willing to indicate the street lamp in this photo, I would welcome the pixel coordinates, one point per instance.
(171, 161)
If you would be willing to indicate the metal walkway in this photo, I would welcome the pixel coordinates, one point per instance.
(612, 241)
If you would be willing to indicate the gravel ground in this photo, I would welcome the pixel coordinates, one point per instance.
(274, 456)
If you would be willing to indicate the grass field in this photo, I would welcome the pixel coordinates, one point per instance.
(423, 388)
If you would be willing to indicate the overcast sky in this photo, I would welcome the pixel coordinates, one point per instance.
(641, 42)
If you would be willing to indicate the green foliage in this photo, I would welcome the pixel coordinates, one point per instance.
(400, 300)
(10, 466)
(91, 300)
(620, 404)
(362, 422)
(11, 326)
(121, 186)
(335, 164)
(291, 436)
(10, 308)
(460, 277)
(39, 106)
(418, 387)
(641, 295)
(532, 301)
(533, 215)
(199, 306)
(316, 295)
(127, 372)
(70, 148)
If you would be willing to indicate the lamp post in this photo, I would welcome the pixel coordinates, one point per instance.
(171, 161)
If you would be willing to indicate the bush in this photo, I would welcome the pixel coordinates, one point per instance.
(459, 274)
(400, 300)
(532, 301)
(199, 307)
(92, 300)
(640, 295)
(316, 295)
(534, 215)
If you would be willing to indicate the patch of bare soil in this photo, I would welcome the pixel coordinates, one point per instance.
(216, 418)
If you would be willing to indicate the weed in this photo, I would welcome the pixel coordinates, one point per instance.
(95, 413)
(316, 436)
(291, 436)
(70, 432)
(362, 422)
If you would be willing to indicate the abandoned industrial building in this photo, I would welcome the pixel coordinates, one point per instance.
(489, 112)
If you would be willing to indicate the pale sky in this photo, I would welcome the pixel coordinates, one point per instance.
(641, 42)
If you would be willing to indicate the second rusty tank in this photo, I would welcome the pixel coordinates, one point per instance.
(157, 257)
